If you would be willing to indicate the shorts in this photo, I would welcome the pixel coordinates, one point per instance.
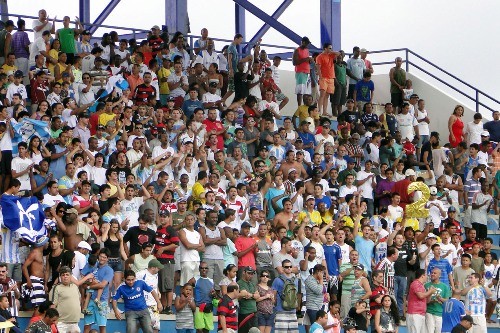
(15, 271)
(98, 317)
(265, 319)
(116, 264)
(189, 269)
(230, 84)
(302, 84)
(177, 259)
(166, 277)
(6, 162)
(203, 320)
(68, 327)
(37, 292)
(286, 322)
(397, 99)
(279, 97)
(155, 317)
(327, 85)
(339, 97)
(422, 140)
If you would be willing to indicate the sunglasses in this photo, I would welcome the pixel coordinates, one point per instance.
(203, 268)
(286, 267)
(265, 276)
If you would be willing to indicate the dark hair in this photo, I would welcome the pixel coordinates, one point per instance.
(393, 309)
(320, 314)
(419, 272)
(392, 250)
(128, 273)
(67, 258)
(232, 287)
(51, 313)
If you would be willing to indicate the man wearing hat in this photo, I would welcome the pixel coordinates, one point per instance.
(436, 209)
(150, 277)
(368, 64)
(302, 60)
(247, 316)
(155, 41)
(85, 46)
(466, 325)
(83, 249)
(17, 87)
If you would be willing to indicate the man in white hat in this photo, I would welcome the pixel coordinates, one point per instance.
(435, 206)
(425, 250)
(83, 248)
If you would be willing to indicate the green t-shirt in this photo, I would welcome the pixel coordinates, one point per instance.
(434, 307)
(67, 39)
(247, 306)
(348, 281)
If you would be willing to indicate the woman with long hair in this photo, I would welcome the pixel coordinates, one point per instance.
(42, 110)
(265, 303)
(113, 240)
(456, 126)
(387, 317)
(37, 150)
(53, 261)
(229, 278)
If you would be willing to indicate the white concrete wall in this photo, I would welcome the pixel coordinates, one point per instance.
(439, 104)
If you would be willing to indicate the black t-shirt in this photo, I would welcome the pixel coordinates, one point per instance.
(103, 206)
(360, 319)
(351, 117)
(122, 174)
(411, 249)
(137, 237)
(401, 264)
(459, 329)
(426, 147)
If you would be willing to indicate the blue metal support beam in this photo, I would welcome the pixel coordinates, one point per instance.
(265, 27)
(104, 15)
(285, 31)
(176, 17)
(84, 12)
(239, 22)
(330, 22)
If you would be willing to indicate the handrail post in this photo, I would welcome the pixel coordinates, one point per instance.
(407, 64)
(477, 100)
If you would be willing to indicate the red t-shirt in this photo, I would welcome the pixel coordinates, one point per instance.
(326, 63)
(217, 126)
(242, 243)
(415, 304)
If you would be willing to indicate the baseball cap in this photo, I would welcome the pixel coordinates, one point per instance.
(155, 263)
(170, 99)
(433, 190)
(155, 27)
(410, 172)
(452, 209)
(317, 171)
(350, 100)
(310, 197)
(363, 50)
(18, 73)
(349, 159)
(100, 127)
(182, 199)
(431, 235)
(85, 32)
(83, 244)
(249, 269)
(291, 170)
(303, 122)
(469, 319)
(348, 328)
(213, 84)
(72, 211)
(359, 266)
(65, 74)
(246, 225)
(485, 133)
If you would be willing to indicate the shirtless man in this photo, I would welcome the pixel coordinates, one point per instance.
(285, 218)
(72, 230)
(33, 273)
(290, 162)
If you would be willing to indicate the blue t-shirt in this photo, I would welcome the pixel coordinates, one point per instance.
(189, 106)
(133, 297)
(316, 328)
(333, 253)
(364, 90)
(270, 194)
(365, 250)
(444, 266)
(307, 138)
(327, 200)
(202, 289)
(104, 273)
(453, 310)
(279, 285)
(235, 56)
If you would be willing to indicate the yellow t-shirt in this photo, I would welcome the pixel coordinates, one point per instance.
(54, 54)
(105, 117)
(197, 190)
(315, 217)
(163, 73)
(327, 218)
(302, 112)
(114, 189)
(6, 68)
(411, 222)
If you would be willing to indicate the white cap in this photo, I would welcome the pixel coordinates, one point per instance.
(433, 190)
(84, 245)
(410, 172)
(309, 197)
(485, 133)
(431, 235)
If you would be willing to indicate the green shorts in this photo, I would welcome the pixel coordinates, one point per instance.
(203, 320)
(230, 84)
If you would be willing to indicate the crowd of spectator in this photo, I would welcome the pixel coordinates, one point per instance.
(176, 184)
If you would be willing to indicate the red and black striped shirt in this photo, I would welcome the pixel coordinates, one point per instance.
(227, 309)
(165, 236)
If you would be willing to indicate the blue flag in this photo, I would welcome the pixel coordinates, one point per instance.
(26, 217)
(26, 129)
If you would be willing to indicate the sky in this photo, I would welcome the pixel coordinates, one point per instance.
(451, 34)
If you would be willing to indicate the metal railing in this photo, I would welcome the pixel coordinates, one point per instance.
(425, 66)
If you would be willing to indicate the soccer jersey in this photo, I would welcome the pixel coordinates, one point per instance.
(453, 310)
(475, 301)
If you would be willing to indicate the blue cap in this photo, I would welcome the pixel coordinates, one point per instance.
(349, 159)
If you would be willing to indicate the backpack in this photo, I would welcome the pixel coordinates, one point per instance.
(289, 294)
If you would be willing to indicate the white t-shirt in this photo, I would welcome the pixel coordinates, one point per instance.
(80, 262)
(13, 89)
(395, 212)
(344, 190)
(85, 97)
(130, 209)
(445, 248)
(70, 119)
(52, 200)
(123, 55)
(37, 23)
(406, 122)
(18, 165)
(435, 212)
(270, 105)
(37, 46)
(423, 127)
(367, 186)
(174, 78)
(152, 281)
(473, 131)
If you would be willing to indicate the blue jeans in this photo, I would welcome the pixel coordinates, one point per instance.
(399, 291)
(142, 317)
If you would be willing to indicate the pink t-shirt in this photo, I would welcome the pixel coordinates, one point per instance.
(415, 304)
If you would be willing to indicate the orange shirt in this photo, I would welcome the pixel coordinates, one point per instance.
(326, 63)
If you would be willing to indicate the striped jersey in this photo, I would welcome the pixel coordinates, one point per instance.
(444, 266)
(475, 301)
(388, 268)
(10, 244)
(227, 309)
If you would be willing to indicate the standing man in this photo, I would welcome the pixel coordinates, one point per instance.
(387, 266)
(150, 276)
(286, 317)
(397, 75)
(34, 274)
(20, 47)
(66, 299)
(302, 62)
(136, 308)
(476, 296)
(417, 302)
(355, 69)
(233, 59)
(228, 317)
(442, 264)
(247, 315)
(453, 311)
(326, 71)
(434, 313)
(66, 36)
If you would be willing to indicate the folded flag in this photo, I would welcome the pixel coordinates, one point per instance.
(26, 128)
(26, 217)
